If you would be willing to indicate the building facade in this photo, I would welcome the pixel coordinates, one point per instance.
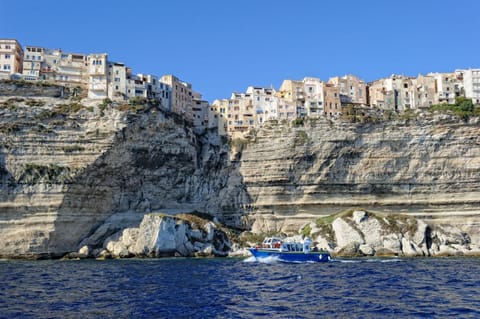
(97, 76)
(352, 89)
(471, 84)
(181, 97)
(11, 58)
(447, 87)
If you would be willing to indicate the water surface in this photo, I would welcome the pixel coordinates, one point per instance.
(238, 288)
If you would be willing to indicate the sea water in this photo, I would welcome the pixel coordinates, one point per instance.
(241, 288)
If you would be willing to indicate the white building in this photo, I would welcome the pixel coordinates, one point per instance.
(97, 76)
(117, 81)
(314, 96)
(471, 84)
(264, 103)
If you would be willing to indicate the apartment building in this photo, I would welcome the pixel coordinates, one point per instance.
(97, 76)
(198, 113)
(396, 93)
(331, 98)
(313, 96)
(54, 65)
(471, 83)
(33, 62)
(11, 58)
(118, 74)
(447, 87)
(424, 92)
(217, 116)
(352, 89)
(181, 94)
(291, 96)
(241, 114)
(264, 103)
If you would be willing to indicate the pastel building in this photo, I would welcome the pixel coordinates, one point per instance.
(54, 65)
(11, 58)
(292, 98)
(352, 89)
(241, 114)
(217, 117)
(181, 94)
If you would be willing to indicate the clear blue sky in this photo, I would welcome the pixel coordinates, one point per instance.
(223, 46)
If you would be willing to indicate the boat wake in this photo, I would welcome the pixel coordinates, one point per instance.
(263, 260)
(373, 260)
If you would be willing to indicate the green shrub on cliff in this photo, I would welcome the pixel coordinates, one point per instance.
(463, 108)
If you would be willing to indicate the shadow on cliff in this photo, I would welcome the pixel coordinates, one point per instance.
(155, 164)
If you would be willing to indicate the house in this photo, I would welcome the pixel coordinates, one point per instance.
(264, 104)
(97, 76)
(11, 58)
(292, 98)
(352, 89)
(447, 87)
(181, 97)
(217, 116)
(471, 83)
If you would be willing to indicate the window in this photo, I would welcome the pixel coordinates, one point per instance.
(7, 56)
(6, 66)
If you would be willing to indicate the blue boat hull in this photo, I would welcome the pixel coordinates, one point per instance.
(314, 256)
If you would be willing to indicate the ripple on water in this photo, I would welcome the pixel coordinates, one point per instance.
(236, 288)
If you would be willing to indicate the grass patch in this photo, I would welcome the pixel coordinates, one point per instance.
(328, 220)
(307, 230)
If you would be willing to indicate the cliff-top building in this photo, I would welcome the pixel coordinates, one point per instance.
(11, 58)
(471, 83)
(352, 89)
(181, 94)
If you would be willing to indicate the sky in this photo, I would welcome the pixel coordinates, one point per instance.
(222, 46)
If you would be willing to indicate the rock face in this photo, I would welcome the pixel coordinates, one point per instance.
(73, 173)
(359, 233)
(67, 167)
(159, 235)
(429, 167)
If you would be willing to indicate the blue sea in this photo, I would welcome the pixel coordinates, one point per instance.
(241, 288)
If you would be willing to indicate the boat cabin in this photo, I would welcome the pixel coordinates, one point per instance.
(272, 242)
(290, 246)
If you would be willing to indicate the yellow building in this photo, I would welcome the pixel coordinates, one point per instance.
(11, 58)
(241, 116)
(217, 116)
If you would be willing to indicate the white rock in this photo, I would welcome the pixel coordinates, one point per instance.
(210, 229)
(409, 248)
(393, 243)
(359, 216)
(366, 249)
(345, 234)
